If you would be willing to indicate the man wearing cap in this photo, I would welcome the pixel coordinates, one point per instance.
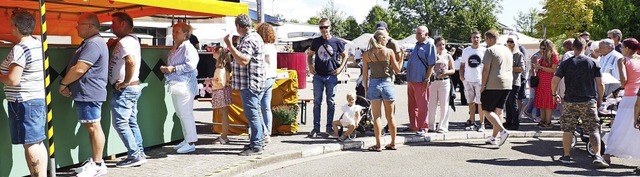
(393, 45)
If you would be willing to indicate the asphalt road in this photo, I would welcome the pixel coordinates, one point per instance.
(518, 157)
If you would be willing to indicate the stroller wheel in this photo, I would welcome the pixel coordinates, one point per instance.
(574, 141)
(591, 152)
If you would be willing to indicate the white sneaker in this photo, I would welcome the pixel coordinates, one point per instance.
(180, 145)
(491, 141)
(187, 148)
(93, 170)
(480, 128)
(84, 166)
(503, 137)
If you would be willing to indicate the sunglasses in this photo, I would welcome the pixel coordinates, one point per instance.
(510, 42)
(324, 27)
(542, 48)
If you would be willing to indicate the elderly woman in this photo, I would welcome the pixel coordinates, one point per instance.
(268, 35)
(440, 87)
(22, 73)
(181, 83)
(513, 118)
(378, 85)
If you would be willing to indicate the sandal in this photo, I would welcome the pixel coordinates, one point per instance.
(221, 140)
(390, 147)
(375, 148)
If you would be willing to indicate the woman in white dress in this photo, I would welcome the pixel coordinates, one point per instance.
(624, 139)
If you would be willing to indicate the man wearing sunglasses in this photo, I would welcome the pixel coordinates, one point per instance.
(325, 68)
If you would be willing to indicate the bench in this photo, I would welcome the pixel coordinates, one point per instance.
(302, 103)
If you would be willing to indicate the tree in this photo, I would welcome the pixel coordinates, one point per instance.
(615, 14)
(313, 20)
(352, 28)
(526, 22)
(335, 16)
(377, 14)
(452, 19)
(567, 17)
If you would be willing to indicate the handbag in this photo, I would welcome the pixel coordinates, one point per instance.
(534, 81)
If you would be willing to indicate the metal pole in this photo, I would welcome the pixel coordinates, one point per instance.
(47, 85)
(260, 11)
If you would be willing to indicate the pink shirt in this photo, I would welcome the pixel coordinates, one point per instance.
(633, 76)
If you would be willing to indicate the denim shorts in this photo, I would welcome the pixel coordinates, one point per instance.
(381, 89)
(26, 121)
(88, 112)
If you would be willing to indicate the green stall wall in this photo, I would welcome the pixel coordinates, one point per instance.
(156, 117)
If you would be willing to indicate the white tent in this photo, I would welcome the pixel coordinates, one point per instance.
(529, 43)
(362, 41)
(408, 40)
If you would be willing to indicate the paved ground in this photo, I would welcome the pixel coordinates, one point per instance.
(222, 160)
(518, 157)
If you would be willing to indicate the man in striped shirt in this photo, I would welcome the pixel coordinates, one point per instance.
(249, 77)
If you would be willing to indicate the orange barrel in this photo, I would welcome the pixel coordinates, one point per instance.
(295, 61)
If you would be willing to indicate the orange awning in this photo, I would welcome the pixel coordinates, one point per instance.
(63, 14)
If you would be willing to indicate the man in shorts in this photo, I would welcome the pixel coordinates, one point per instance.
(471, 76)
(580, 74)
(86, 83)
(497, 78)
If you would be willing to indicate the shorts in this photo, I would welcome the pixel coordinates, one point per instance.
(492, 99)
(27, 121)
(573, 112)
(381, 89)
(346, 123)
(221, 98)
(472, 91)
(89, 111)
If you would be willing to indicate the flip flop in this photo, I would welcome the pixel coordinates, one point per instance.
(390, 147)
(375, 148)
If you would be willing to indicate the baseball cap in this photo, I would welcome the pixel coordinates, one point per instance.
(381, 26)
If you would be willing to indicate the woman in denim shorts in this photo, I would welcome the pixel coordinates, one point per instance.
(22, 74)
(379, 85)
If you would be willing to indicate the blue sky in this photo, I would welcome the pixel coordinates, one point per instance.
(303, 9)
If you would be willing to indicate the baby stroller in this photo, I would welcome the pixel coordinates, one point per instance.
(366, 118)
(607, 112)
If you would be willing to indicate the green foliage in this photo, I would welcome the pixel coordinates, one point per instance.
(313, 20)
(452, 19)
(336, 16)
(526, 22)
(352, 28)
(620, 14)
(285, 114)
(568, 17)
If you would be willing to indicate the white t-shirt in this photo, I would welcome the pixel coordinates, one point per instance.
(349, 112)
(566, 56)
(31, 81)
(358, 54)
(126, 46)
(270, 60)
(456, 63)
(472, 59)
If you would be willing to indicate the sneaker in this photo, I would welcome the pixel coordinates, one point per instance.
(86, 164)
(186, 149)
(267, 138)
(480, 128)
(567, 160)
(503, 137)
(599, 162)
(442, 131)
(131, 162)
(470, 127)
(250, 152)
(92, 170)
(491, 141)
(313, 133)
(329, 131)
(180, 145)
(421, 133)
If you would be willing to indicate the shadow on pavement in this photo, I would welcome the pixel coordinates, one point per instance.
(454, 144)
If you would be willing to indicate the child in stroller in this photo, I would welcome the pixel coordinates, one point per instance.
(349, 118)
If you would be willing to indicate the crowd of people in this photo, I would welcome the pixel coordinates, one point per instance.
(494, 78)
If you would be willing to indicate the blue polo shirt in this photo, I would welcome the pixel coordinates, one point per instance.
(92, 86)
(423, 55)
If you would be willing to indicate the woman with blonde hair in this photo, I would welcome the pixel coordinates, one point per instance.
(180, 74)
(545, 69)
(379, 86)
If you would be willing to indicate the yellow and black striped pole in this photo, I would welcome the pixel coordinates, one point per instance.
(47, 86)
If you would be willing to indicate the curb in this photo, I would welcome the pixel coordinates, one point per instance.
(266, 159)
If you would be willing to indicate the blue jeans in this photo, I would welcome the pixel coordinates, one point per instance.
(319, 85)
(531, 110)
(124, 111)
(251, 106)
(266, 105)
